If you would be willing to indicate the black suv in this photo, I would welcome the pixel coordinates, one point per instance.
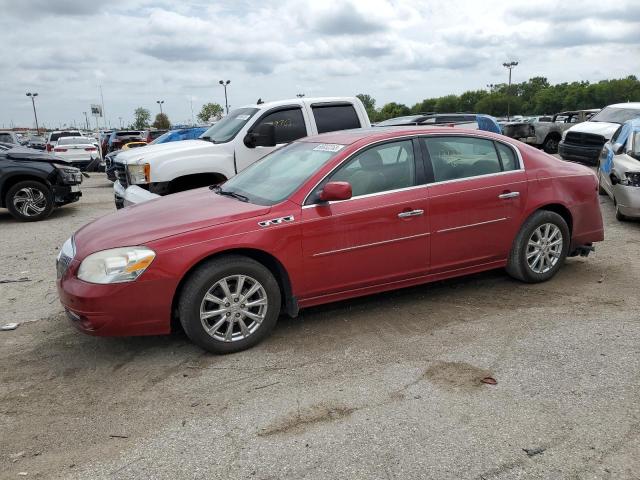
(33, 183)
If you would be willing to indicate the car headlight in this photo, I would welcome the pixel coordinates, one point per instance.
(139, 173)
(69, 174)
(631, 179)
(117, 265)
(564, 134)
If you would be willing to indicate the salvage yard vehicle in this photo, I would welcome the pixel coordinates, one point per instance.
(37, 142)
(462, 120)
(241, 138)
(53, 137)
(33, 183)
(619, 170)
(79, 151)
(118, 139)
(548, 133)
(584, 142)
(326, 218)
(8, 136)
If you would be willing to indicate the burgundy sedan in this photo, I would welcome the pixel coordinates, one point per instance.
(327, 218)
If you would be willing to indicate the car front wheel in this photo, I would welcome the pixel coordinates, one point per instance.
(229, 304)
(540, 247)
(30, 201)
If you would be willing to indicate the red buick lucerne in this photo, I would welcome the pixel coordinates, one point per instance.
(327, 218)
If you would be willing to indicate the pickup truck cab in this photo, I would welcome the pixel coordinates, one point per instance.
(241, 138)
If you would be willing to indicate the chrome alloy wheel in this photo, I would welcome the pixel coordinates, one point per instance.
(544, 248)
(233, 308)
(30, 201)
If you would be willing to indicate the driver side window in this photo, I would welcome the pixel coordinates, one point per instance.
(289, 124)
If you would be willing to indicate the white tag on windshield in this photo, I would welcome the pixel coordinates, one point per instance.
(329, 147)
(242, 117)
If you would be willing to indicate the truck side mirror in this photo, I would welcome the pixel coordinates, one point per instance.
(264, 136)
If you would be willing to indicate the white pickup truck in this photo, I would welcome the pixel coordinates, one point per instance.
(241, 138)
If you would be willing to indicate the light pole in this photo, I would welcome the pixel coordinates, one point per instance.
(224, 84)
(491, 86)
(160, 102)
(33, 102)
(509, 66)
(86, 119)
(120, 118)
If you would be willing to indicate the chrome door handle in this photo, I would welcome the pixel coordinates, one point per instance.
(412, 213)
(509, 195)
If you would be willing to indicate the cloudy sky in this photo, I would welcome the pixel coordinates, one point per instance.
(141, 51)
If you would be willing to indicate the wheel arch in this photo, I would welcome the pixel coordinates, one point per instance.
(561, 210)
(275, 266)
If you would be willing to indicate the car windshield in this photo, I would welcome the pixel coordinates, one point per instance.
(279, 174)
(616, 115)
(229, 126)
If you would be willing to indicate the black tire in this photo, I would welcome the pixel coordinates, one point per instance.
(39, 208)
(203, 279)
(550, 144)
(517, 265)
(621, 217)
(601, 191)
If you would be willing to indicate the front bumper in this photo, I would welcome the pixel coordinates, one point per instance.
(64, 194)
(131, 195)
(579, 153)
(628, 200)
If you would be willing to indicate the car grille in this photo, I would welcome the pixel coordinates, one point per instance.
(121, 174)
(62, 263)
(584, 139)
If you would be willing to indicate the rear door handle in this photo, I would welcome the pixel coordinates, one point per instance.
(411, 213)
(506, 195)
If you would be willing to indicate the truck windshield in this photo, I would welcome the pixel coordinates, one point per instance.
(616, 115)
(279, 174)
(229, 126)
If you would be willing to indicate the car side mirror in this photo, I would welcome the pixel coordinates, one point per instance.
(335, 191)
(618, 148)
(264, 136)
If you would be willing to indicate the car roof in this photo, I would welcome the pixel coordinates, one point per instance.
(297, 101)
(372, 134)
(633, 105)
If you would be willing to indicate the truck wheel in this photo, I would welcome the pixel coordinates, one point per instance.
(30, 201)
(550, 145)
(540, 247)
(229, 304)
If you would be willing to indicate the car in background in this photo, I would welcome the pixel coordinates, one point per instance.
(37, 142)
(33, 183)
(619, 170)
(190, 133)
(325, 218)
(546, 134)
(53, 137)
(103, 139)
(459, 120)
(584, 142)
(150, 135)
(130, 145)
(8, 136)
(78, 151)
(118, 139)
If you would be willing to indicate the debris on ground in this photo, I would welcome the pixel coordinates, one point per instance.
(533, 451)
(489, 381)
(17, 456)
(118, 436)
(15, 280)
(601, 279)
(9, 326)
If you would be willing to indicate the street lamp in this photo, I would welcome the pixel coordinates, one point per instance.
(509, 66)
(160, 102)
(33, 102)
(224, 84)
(86, 118)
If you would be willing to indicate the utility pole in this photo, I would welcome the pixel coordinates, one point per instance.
(86, 119)
(224, 84)
(104, 115)
(120, 118)
(509, 66)
(33, 102)
(160, 102)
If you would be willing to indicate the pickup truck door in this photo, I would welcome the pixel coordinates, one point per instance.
(291, 123)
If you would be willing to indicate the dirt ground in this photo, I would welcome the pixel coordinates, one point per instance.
(382, 387)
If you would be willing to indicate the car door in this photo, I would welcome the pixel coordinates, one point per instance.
(290, 124)
(380, 234)
(477, 196)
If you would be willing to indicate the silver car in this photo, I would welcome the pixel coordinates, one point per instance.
(619, 170)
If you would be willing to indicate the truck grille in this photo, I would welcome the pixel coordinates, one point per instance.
(584, 139)
(121, 174)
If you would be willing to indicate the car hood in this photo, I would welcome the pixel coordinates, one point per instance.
(163, 217)
(605, 129)
(150, 152)
(25, 154)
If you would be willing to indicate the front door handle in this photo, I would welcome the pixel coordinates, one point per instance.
(410, 213)
(508, 195)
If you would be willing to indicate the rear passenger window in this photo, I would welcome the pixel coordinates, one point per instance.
(330, 118)
(508, 157)
(462, 157)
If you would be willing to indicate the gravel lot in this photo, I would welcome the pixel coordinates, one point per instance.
(382, 387)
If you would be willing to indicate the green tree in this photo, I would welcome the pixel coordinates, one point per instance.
(426, 105)
(209, 111)
(369, 105)
(448, 104)
(141, 118)
(392, 110)
(162, 122)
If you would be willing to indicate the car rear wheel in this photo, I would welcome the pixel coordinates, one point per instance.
(540, 247)
(29, 201)
(550, 145)
(621, 217)
(229, 304)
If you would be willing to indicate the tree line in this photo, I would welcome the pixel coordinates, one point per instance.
(142, 117)
(533, 97)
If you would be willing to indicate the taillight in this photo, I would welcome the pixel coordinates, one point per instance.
(91, 149)
(48, 147)
(59, 149)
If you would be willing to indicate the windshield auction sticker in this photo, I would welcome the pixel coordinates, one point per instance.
(243, 117)
(329, 147)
